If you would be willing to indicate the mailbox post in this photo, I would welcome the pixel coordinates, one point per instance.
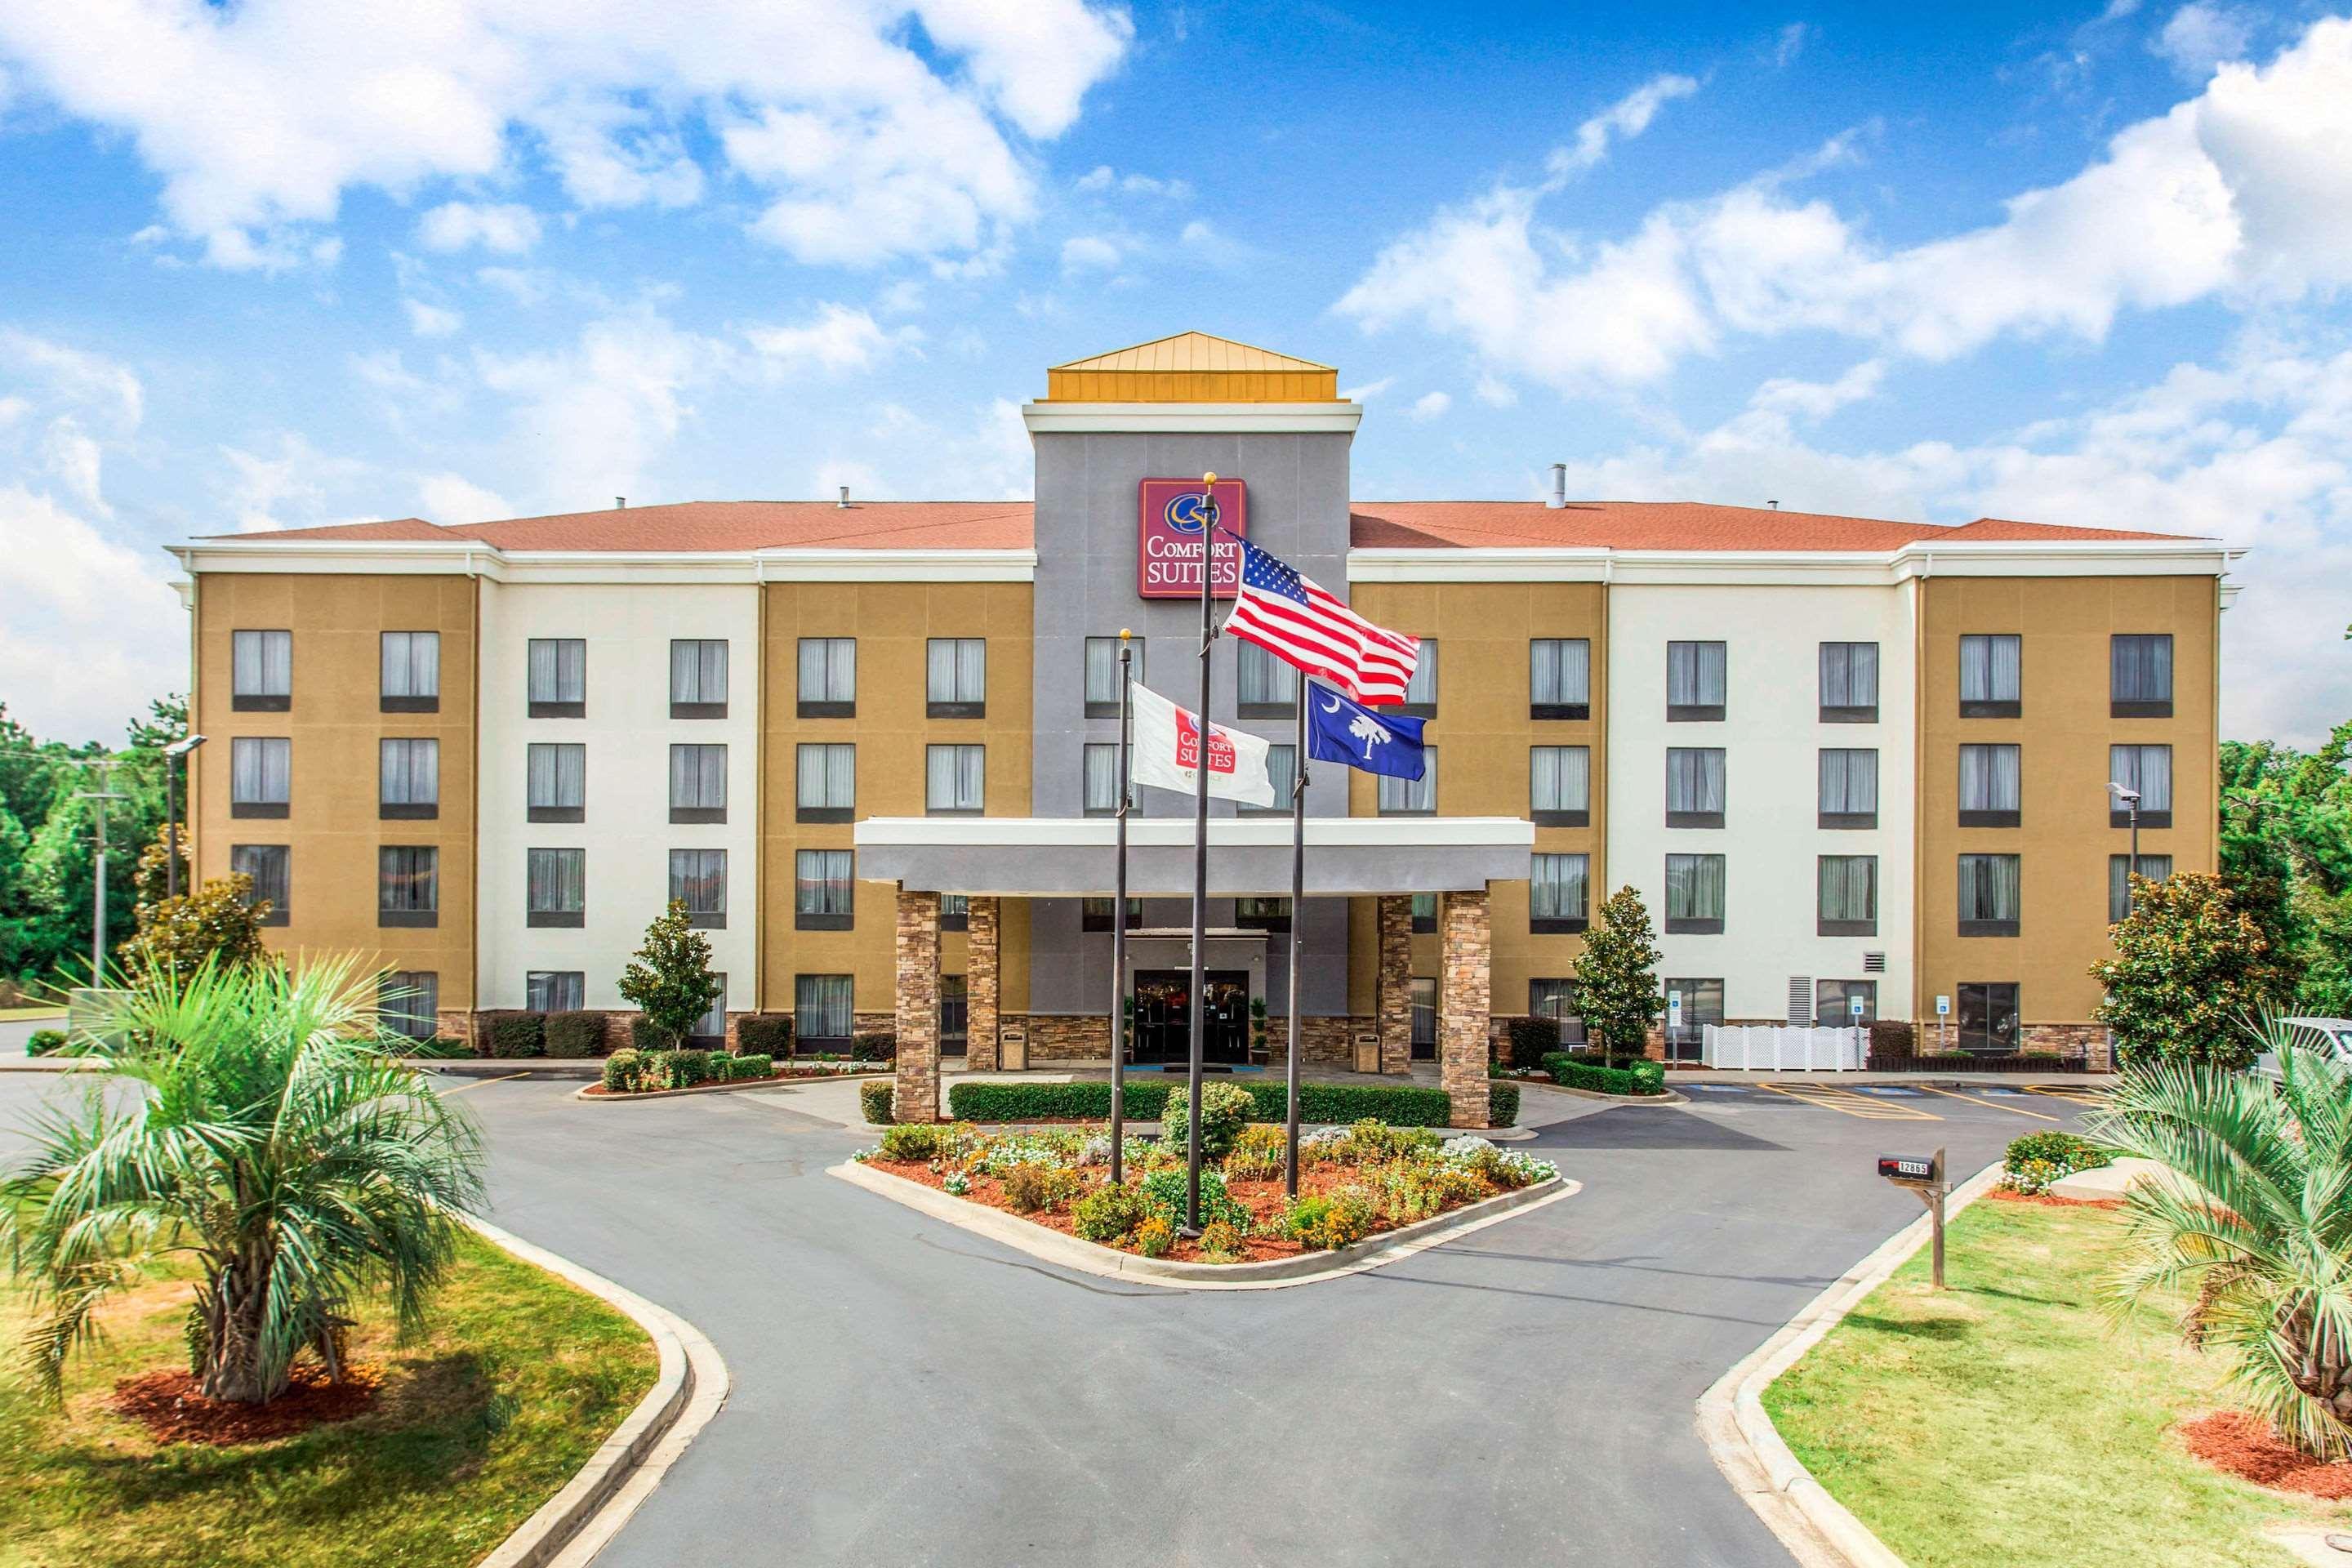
(1925, 1178)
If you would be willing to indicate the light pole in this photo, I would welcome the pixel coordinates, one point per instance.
(98, 797)
(2130, 800)
(173, 754)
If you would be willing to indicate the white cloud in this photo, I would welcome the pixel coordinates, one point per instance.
(288, 490)
(1088, 253)
(1369, 391)
(868, 131)
(591, 419)
(1102, 177)
(1213, 246)
(1790, 41)
(2201, 36)
(2242, 192)
(525, 286)
(75, 376)
(431, 321)
(453, 499)
(509, 229)
(837, 338)
(1430, 406)
(1621, 120)
(93, 630)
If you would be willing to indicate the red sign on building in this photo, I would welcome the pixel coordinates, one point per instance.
(1170, 528)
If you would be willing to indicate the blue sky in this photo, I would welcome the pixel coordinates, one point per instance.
(268, 265)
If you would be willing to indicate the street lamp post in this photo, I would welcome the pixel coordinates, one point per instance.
(2130, 800)
(173, 754)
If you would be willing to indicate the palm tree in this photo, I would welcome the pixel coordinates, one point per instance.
(247, 1117)
(2264, 1234)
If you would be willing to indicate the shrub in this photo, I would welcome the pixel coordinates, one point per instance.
(765, 1034)
(1532, 1039)
(518, 1034)
(2064, 1150)
(1164, 1191)
(1305, 1218)
(623, 1071)
(2033, 1177)
(873, 1048)
(574, 1034)
(985, 1101)
(1639, 1077)
(1345, 1217)
(760, 1065)
(1220, 1242)
(913, 1141)
(45, 1041)
(1108, 1214)
(1502, 1105)
(1154, 1237)
(1256, 1155)
(1030, 1187)
(1224, 1107)
(1397, 1105)
(874, 1098)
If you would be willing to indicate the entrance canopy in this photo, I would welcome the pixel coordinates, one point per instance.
(1045, 857)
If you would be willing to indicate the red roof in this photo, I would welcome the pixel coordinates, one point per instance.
(740, 525)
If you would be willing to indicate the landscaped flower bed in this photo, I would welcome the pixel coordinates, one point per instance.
(1353, 1182)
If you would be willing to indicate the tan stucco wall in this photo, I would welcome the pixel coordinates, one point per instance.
(2062, 733)
(332, 828)
(892, 622)
(1482, 734)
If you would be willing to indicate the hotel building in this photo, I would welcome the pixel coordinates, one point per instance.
(871, 745)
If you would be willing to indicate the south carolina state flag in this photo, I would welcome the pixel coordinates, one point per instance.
(1167, 752)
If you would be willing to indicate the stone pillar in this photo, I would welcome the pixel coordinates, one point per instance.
(1392, 999)
(917, 1094)
(1463, 1003)
(980, 971)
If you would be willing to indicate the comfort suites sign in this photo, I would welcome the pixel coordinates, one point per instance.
(1170, 530)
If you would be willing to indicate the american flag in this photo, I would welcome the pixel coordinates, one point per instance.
(1294, 619)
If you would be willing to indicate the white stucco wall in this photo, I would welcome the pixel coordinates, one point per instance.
(1772, 733)
(629, 732)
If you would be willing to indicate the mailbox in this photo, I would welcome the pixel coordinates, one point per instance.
(1910, 1170)
(1924, 1175)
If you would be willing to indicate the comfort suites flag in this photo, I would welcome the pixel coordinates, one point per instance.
(1167, 752)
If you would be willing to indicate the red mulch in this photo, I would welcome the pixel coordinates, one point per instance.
(2245, 1447)
(2044, 1200)
(168, 1405)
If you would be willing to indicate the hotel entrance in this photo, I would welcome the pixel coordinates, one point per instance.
(1164, 1017)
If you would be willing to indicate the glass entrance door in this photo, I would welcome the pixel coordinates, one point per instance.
(1164, 1017)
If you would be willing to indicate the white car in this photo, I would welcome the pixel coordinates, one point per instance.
(2330, 1036)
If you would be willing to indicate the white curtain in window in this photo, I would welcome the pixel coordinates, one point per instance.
(2146, 769)
(1849, 887)
(828, 669)
(1099, 784)
(406, 1002)
(1988, 668)
(697, 777)
(697, 671)
(1556, 886)
(1263, 678)
(1102, 668)
(952, 778)
(1394, 795)
(559, 670)
(821, 1006)
(712, 1025)
(262, 663)
(1422, 689)
(554, 991)
(822, 882)
(1988, 778)
(1695, 778)
(267, 864)
(2141, 668)
(1559, 671)
(557, 775)
(1281, 770)
(412, 663)
(697, 878)
(557, 880)
(2155, 868)
(409, 772)
(408, 878)
(827, 776)
(261, 770)
(1849, 675)
(1559, 778)
(958, 669)
(1849, 781)
(1989, 887)
(1695, 887)
(1695, 674)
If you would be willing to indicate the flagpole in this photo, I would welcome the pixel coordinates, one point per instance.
(1298, 925)
(1119, 929)
(1200, 866)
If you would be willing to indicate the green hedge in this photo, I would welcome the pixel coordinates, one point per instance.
(1532, 1039)
(44, 1041)
(2064, 1149)
(753, 1064)
(1503, 1105)
(518, 1034)
(1636, 1078)
(765, 1034)
(575, 1035)
(1397, 1105)
(874, 1097)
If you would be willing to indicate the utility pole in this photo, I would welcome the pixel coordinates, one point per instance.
(100, 795)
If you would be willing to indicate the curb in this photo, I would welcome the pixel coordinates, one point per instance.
(1275, 1274)
(574, 1524)
(1818, 1530)
(717, 1087)
(1665, 1097)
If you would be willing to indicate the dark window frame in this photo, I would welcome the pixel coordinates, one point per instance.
(826, 920)
(1989, 988)
(1429, 663)
(259, 701)
(387, 703)
(1991, 707)
(957, 708)
(280, 913)
(1089, 920)
(1268, 921)
(411, 919)
(1697, 712)
(1823, 925)
(2140, 708)
(1569, 710)
(551, 707)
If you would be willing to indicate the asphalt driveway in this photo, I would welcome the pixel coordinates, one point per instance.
(906, 1393)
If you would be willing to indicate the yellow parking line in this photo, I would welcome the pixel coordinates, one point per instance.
(1972, 1100)
(1847, 1102)
(2095, 1098)
(504, 1078)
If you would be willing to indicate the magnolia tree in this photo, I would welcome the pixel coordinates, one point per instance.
(670, 979)
(219, 921)
(1617, 977)
(2197, 959)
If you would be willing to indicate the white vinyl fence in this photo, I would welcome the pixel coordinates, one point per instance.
(1785, 1049)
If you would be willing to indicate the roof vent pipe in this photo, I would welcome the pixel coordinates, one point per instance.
(1559, 487)
(619, 503)
(845, 497)
(1773, 504)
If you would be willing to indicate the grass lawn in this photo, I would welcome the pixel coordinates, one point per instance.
(518, 1379)
(2008, 1421)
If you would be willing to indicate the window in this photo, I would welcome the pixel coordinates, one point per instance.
(957, 684)
(1268, 687)
(1261, 914)
(1556, 892)
(1094, 914)
(827, 787)
(821, 1008)
(1847, 899)
(698, 879)
(822, 889)
(1555, 999)
(407, 884)
(1694, 680)
(1421, 1002)
(1849, 785)
(1988, 1017)
(411, 679)
(2155, 868)
(709, 1031)
(559, 678)
(954, 779)
(2139, 676)
(260, 775)
(555, 990)
(556, 780)
(698, 677)
(1405, 797)
(1694, 786)
(1098, 767)
(1423, 918)
(1421, 691)
(558, 886)
(1849, 683)
(828, 687)
(1833, 1002)
(1988, 786)
(261, 671)
(408, 780)
(1989, 676)
(1559, 678)
(406, 1003)
(271, 867)
(955, 911)
(1702, 1005)
(2147, 770)
(1102, 674)
(1282, 770)
(955, 1014)
(697, 784)
(1989, 886)
(1694, 894)
(1560, 786)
